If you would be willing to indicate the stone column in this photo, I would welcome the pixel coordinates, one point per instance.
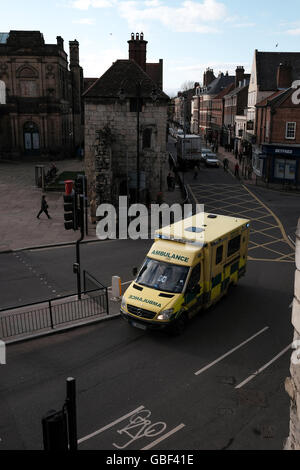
(292, 384)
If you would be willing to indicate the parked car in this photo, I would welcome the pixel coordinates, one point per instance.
(204, 152)
(211, 159)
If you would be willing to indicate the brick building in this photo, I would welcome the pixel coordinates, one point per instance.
(126, 123)
(278, 137)
(203, 101)
(42, 115)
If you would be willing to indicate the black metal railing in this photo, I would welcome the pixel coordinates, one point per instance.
(53, 313)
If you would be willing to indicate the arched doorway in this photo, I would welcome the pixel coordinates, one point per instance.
(31, 137)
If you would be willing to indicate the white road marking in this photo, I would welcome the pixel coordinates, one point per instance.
(231, 351)
(252, 376)
(162, 438)
(108, 426)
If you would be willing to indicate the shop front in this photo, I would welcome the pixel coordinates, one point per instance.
(281, 164)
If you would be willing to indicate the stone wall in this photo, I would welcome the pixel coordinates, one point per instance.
(292, 384)
(121, 124)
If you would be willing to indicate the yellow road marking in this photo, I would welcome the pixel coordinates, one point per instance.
(275, 217)
(283, 258)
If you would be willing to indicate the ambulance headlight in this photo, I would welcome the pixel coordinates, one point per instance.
(123, 304)
(166, 314)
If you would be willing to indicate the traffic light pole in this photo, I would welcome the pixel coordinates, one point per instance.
(78, 270)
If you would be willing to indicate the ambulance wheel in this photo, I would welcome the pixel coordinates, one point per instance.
(179, 325)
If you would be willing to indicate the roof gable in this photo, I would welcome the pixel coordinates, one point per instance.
(123, 74)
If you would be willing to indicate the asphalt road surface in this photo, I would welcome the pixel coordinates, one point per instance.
(218, 386)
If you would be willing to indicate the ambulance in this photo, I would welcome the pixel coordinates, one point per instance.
(191, 266)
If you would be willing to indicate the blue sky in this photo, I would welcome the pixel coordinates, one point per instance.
(190, 35)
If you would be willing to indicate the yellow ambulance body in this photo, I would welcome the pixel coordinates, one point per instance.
(191, 265)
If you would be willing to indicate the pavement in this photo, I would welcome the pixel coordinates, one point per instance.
(222, 154)
(20, 202)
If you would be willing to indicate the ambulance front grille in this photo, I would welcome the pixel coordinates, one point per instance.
(141, 312)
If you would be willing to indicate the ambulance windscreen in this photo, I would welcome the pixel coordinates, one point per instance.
(163, 276)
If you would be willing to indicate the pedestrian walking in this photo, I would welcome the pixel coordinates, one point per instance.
(195, 172)
(225, 164)
(44, 208)
(237, 170)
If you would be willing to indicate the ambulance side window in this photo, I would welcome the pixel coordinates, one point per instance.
(195, 278)
(234, 245)
(219, 255)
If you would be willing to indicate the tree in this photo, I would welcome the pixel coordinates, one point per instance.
(187, 85)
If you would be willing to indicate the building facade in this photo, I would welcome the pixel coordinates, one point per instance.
(202, 108)
(278, 138)
(125, 132)
(42, 115)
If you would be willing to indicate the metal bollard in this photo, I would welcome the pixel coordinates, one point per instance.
(116, 288)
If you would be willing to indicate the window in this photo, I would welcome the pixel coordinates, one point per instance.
(219, 255)
(147, 134)
(31, 136)
(28, 88)
(290, 132)
(163, 276)
(195, 278)
(234, 246)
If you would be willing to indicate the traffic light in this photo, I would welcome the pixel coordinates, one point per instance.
(70, 212)
(79, 185)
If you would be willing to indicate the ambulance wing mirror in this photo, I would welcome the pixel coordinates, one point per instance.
(135, 271)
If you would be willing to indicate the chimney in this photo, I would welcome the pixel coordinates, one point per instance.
(284, 76)
(208, 77)
(138, 49)
(60, 42)
(239, 75)
(74, 53)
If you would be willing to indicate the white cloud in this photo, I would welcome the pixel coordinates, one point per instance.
(293, 32)
(190, 16)
(84, 21)
(85, 4)
(244, 25)
(96, 63)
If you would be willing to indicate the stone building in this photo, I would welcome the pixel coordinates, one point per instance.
(292, 384)
(125, 130)
(42, 114)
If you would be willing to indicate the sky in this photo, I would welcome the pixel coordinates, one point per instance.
(189, 35)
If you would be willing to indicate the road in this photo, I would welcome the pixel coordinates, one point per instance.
(218, 386)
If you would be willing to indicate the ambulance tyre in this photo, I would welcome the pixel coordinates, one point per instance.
(179, 325)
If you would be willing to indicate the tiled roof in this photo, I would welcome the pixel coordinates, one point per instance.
(267, 64)
(273, 98)
(235, 91)
(123, 74)
(219, 84)
(87, 82)
(224, 92)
